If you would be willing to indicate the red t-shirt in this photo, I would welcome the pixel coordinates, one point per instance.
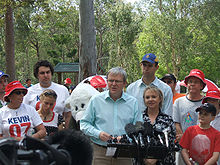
(201, 143)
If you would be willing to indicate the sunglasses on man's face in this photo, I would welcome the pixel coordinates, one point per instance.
(19, 92)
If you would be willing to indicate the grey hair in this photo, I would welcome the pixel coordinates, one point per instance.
(157, 90)
(117, 71)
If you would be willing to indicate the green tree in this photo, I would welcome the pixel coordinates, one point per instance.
(177, 32)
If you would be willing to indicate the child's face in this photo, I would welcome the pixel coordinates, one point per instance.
(152, 99)
(213, 101)
(205, 118)
(47, 103)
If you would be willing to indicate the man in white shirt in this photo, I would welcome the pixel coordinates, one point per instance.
(43, 71)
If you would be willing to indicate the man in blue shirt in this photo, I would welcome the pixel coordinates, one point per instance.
(107, 114)
(149, 66)
(3, 84)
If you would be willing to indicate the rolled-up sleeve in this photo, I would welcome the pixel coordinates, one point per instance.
(87, 121)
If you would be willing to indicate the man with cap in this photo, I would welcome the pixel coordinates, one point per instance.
(149, 66)
(170, 80)
(3, 84)
(184, 114)
(213, 97)
(201, 143)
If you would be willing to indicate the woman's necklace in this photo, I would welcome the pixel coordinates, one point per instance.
(46, 116)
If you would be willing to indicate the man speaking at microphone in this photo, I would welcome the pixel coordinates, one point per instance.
(107, 115)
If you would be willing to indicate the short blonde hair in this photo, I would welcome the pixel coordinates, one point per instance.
(157, 90)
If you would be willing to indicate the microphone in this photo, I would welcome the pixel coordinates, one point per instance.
(59, 156)
(131, 132)
(140, 129)
(148, 131)
(166, 131)
(157, 132)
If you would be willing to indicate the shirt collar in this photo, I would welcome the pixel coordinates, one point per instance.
(107, 96)
(141, 82)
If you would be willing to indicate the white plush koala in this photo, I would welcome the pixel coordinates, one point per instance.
(79, 99)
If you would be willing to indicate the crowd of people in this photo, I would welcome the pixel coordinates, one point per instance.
(192, 118)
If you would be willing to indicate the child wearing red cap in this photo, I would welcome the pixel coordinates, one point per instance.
(18, 119)
(213, 97)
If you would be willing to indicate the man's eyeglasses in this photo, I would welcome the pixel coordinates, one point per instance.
(116, 81)
(20, 92)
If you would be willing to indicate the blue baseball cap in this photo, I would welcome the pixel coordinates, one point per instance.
(150, 57)
(3, 74)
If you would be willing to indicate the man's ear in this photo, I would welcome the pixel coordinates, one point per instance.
(125, 83)
(213, 118)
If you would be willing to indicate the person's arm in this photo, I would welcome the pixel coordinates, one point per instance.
(179, 131)
(137, 113)
(213, 159)
(185, 155)
(87, 121)
(104, 136)
(67, 117)
(167, 106)
(41, 132)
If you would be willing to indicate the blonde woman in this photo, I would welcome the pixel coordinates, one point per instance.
(153, 99)
(51, 119)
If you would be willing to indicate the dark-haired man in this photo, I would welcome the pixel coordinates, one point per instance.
(170, 80)
(43, 71)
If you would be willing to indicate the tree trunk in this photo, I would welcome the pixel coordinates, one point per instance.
(87, 56)
(9, 43)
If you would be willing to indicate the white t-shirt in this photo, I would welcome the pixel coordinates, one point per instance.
(53, 122)
(33, 97)
(18, 122)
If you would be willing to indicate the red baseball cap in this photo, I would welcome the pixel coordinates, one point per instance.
(196, 73)
(13, 86)
(214, 94)
(67, 81)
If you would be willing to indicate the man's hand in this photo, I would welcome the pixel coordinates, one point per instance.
(67, 117)
(104, 136)
(150, 161)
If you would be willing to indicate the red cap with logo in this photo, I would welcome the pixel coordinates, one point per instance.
(214, 94)
(12, 86)
(196, 73)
